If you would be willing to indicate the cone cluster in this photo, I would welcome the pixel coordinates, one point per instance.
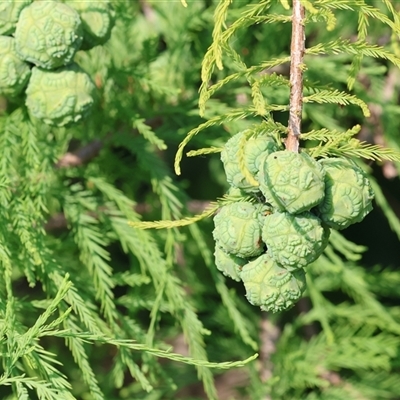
(279, 221)
(38, 42)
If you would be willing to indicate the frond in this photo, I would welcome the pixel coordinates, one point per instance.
(204, 151)
(336, 97)
(218, 120)
(355, 148)
(326, 135)
(148, 133)
(211, 209)
(341, 46)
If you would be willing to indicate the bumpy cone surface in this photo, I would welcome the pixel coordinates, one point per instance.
(9, 14)
(48, 34)
(97, 21)
(228, 264)
(291, 182)
(238, 229)
(14, 73)
(60, 97)
(255, 149)
(294, 241)
(270, 286)
(348, 193)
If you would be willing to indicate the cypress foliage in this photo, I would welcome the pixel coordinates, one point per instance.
(96, 305)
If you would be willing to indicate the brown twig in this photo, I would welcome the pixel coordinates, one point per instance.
(269, 335)
(296, 76)
(148, 11)
(81, 156)
(334, 379)
(374, 133)
(87, 153)
(304, 306)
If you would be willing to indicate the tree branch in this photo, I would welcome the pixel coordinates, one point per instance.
(374, 131)
(81, 156)
(296, 76)
(87, 153)
(269, 335)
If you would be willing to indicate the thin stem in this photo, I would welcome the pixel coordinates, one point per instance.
(269, 335)
(58, 222)
(296, 76)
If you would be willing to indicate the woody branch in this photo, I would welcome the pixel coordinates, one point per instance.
(296, 76)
